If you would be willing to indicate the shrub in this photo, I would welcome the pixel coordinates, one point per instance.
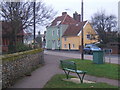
(11, 48)
(22, 47)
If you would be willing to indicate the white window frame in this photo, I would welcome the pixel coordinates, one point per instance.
(58, 32)
(58, 43)
(73, 45)
(65, 38)
(65, 45)
(88, 37)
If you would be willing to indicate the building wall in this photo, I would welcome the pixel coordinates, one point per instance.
(70, 43)
(50, 37)
(76, 40)
(119, 15)
(88, 30)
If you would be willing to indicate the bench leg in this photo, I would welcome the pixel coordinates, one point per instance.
(81, 78)
(67, 74)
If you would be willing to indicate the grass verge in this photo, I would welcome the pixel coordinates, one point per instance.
(57, 82)
(101, 70)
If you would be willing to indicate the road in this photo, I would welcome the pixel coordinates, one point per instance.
(76, 54)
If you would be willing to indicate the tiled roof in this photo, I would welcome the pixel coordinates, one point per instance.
(74, 29)
(64, 19)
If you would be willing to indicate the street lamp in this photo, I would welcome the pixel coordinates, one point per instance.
(34, 22)
(82, 33)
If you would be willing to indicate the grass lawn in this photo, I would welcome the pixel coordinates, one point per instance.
(57, 82)
(100, 70)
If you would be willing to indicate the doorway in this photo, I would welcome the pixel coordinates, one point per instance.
(53, 45)
(69, 46)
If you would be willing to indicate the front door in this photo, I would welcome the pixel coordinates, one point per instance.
(53, 45)
(69, 46)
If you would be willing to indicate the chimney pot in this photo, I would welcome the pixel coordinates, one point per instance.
(64, 13)
(77, 16)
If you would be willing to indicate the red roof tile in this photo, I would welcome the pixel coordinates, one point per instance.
(64, 19)
(74, 29)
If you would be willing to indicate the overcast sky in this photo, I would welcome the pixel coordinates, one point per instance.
(90, 6)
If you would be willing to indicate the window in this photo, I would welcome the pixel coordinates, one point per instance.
(53, 33)
(65, 46)
(65, 39)
(88, 36)
(58, 32)
(73, 45)
(58, 43)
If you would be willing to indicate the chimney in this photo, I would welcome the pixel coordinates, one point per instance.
(64, 13)
(77, 17)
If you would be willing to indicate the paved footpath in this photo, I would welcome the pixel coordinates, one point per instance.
(43, 74)
(40, 76)
(0, 76)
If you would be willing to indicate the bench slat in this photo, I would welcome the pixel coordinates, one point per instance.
(75, 71)
(68, 64)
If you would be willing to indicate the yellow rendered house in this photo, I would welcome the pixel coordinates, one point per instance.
(71, 39)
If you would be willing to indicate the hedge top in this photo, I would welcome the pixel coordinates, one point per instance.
(19, 55)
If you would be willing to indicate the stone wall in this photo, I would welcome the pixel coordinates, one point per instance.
(14, 69)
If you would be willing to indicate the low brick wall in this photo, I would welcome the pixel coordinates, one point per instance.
(14, 69)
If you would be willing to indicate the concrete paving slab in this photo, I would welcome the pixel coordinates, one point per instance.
(77, 80)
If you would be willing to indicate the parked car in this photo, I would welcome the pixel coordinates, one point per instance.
(89, 48)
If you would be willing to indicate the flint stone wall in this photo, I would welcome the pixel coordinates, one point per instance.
(13, 70)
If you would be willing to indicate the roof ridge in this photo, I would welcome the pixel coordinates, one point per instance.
(64, 18)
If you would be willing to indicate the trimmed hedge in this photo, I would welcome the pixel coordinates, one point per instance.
(19, 55)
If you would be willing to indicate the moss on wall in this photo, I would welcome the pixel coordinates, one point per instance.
(9, 57)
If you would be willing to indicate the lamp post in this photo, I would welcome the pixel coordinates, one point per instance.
(82, 33)
(34, 22)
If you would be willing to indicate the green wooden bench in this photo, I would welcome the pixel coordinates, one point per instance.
(70, 66)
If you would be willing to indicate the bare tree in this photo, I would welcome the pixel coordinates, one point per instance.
(20, 16)
(23, 11)
(104, 25)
